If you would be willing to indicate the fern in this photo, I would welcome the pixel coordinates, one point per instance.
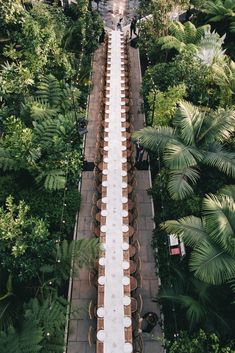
(50, 314)
(6, 161)
(42, 110)
(53, 179)
(46, 130)
(25, 340)
(49, 91)
(82, 252)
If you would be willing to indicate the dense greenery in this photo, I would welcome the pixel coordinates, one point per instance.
(45, 57)
(188, 87)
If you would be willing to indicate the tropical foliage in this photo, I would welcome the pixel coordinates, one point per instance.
(191, 146)
(221, 10)
(196, 137)
(45, 54)
(200, 342)
(211, 237)
(183, 36)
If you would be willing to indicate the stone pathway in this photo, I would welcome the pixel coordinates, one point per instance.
(113, 10)
(145, 209)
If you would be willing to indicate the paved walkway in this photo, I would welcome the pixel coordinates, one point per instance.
(82, 292)
(149, 289)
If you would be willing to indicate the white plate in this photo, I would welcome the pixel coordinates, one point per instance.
(128, 347)
(125, 280)
(100, 313)
(125, 265)
(124, 213)
(101, 280)
(124, 199)
(101, 337)
(126, 300)
(102, 261)
(103, 229)
(125, 246)
(125, 228)
(127, 321)
(104, 213)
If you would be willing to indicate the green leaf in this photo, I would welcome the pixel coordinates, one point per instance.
(179, 186)
(219, 214)
(190, 229)
(153, 139)
(219, 158)
(211, 264)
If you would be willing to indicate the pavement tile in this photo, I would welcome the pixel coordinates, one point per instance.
(85, 290)
(73, 328)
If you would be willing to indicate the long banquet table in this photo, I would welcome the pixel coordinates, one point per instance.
(114, 331)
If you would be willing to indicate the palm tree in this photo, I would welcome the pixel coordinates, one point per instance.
(196, 138)
(221, 11)
(183, 36)
(193, 299)
(211, 237)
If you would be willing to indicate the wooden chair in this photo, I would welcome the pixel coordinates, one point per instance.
(134, 305)
(132, 250)
(134, 283)
(93, 278)
(136, 244)
(138, 262)
(133, 267)
(136, 324)
(138, 344)
(92, 310)
(139, 300)
(91, 337)
(138, 279)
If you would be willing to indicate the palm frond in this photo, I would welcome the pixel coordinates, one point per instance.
(210, 264)
(190, 229)
(185, 118)
(228, 190)
(219, 217)
(219, 125)
(178, 155)
(221, 159)
(179, 186)
(195, 311)
(153, 139)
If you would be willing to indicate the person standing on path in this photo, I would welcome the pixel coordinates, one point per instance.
(139, 151)
(133, 26)
(119, 24)
(149, 321)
